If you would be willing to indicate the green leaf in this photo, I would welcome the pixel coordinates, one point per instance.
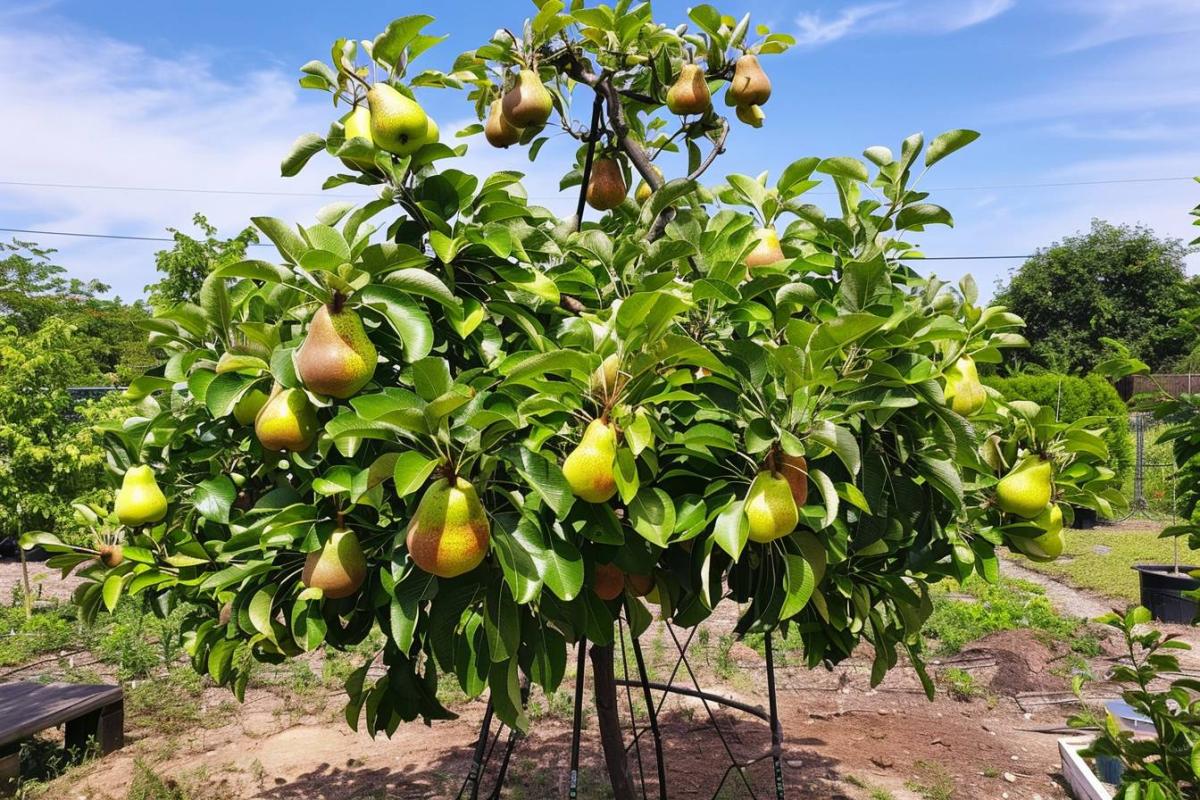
(652, 514)
(260, 611)
(947, 143)
(404, 315)
(302, 150)
(285, 237)
(214, 497)
(398, 35)
(732, 530)
(112, 591)
(545, 477)
(800, 583)
(420, 282)
(411, 472)
(844, 167)
(923, 214)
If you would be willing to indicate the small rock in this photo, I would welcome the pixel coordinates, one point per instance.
(985, 727)
(883, 762)
(794, 764)
(1016, 758)
(1008, 776)
(883, 712)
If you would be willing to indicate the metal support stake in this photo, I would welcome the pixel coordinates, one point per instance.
(573, 787)
(776, 728)
(480, 748)
(658, 749)
(587, 162)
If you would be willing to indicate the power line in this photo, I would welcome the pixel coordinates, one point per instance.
(255, 193)
(265, 244)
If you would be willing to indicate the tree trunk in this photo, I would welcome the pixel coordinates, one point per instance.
(609, 722)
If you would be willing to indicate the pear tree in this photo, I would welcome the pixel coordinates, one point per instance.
(484, 430)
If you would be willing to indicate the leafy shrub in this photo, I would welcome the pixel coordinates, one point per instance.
(1074, 398)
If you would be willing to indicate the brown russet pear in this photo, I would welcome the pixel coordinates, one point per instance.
(750, 85)
(337, 358)
(689, 94)
(139, 500)
(288, 421)
(589, 467)
(398, 123)
(795, 471)
(606, 188)
(338, 568)
(751, 115)
(964, 391)
(1026, 489)
(766, 249)
(639, 585)
(528, 103)
(449, 534)
(610, 581)
(770, 510)
(111, 555)
(498, 130)
(248, 406)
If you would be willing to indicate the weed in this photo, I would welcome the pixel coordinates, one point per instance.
(959, 683)
(1006, 605)
(725, 666)
(932, 782)
(168, 704)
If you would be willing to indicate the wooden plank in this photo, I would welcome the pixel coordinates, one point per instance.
(28, 708)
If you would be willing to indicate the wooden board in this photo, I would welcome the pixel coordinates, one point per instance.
(28, 708)
(1079, 776)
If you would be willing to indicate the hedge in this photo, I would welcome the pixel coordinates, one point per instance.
(1076, 397)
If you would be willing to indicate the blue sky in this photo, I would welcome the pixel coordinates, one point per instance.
(204, 96)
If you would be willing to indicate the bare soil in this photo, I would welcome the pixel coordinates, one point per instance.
(843, 739)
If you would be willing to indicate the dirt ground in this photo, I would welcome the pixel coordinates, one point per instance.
(842, 739)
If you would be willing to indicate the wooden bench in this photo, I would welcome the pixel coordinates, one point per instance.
(87, 711)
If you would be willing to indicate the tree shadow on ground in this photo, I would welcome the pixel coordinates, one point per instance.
(697, 765)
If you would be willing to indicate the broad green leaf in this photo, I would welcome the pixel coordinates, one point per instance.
(947, 143)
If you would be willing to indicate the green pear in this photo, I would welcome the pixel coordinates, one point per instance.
(689, 94)
(528, 103)
(769, 507)
(288, 421)
(589, 467)
(336, 359)
(753, 116)
(1025, 491)
(139, 500)
(498, 130)
(398, 123)
(357, 125)
(248, 406)
(766, 249)
(1049, 545)
(449, 535)
(607, 380)
(643, 190)
(338, 568)
(964, 391)
(750, 85)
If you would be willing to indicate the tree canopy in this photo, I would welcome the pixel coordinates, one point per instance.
(185, 266)
(1116, 281)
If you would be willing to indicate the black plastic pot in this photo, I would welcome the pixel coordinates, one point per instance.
(1085, 518)
(1162, 592)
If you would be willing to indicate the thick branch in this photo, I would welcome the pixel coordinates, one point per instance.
(609, 722)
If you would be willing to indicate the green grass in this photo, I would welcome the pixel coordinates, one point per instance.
(1086, 565)
(1003, 606)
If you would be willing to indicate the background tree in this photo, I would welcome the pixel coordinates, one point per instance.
(1120, 282)
(185, 266)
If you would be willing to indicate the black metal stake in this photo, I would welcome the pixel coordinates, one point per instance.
(658, 749)
(776, 728)
(573, 787)
(593, 136)
(477, 765)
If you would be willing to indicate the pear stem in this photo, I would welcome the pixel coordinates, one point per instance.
(341, 519)
(338, 302)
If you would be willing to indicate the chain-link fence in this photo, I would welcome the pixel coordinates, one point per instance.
(1150, 487)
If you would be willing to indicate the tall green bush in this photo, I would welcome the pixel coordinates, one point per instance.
(1074, 398)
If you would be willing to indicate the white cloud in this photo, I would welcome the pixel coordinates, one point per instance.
(125, 117)
(930, 17)
(1114, 20)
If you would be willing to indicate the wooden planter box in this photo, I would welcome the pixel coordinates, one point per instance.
(1079, 776)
